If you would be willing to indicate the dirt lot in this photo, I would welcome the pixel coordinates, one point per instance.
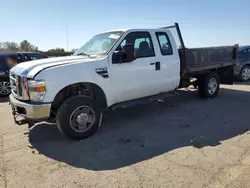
(182, 141)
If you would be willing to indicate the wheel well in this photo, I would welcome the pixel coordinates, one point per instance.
(195, 77)
(248, 64)
(4, 78)
(84, 88)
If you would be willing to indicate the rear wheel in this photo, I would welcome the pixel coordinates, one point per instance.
(78, 117)
(4, 88)
(245, 73)
(208, 86)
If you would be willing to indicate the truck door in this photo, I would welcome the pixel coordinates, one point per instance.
(138, 78)
(168, 58)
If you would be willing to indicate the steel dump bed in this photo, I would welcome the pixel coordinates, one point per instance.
(201, 59)
(195, 60)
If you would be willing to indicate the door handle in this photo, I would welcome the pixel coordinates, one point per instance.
(157, 65)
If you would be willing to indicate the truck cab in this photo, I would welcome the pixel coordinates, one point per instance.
(142, 63)
(112, 69)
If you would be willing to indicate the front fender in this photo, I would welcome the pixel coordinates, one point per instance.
(58, 78)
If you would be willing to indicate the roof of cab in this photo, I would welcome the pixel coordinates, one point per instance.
(133, 29)
(115, 30)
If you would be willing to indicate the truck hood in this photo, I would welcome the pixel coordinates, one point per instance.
(31, 68)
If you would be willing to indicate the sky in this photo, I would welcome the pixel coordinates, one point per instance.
(202, 22)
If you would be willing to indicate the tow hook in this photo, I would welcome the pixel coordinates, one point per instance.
(15, 114)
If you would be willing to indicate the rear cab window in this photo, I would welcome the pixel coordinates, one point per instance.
(164, 43)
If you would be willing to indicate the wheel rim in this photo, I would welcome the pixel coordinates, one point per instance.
(212, 86)
(246, 73)
(82, 118)
(5, 88)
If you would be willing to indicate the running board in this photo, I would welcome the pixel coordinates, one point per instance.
(144, 100)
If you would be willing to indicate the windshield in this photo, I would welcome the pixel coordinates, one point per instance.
(100, 44)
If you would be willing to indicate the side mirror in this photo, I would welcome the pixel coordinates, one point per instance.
(126, 55)
(117, 57)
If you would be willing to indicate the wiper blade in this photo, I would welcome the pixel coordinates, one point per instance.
(82, 53)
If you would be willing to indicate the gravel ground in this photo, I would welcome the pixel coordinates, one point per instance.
(182, 141)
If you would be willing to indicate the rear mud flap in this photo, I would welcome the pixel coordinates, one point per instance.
(226, 75)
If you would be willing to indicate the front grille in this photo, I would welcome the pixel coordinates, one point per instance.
(17, 87)
(13, 83)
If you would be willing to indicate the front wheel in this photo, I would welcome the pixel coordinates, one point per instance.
(208, 86)
(78, 117)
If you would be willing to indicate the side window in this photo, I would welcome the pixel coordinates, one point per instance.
(243, 55)
(21, 58)
(164, 43)
(26, 57)
(142, 44)
(2, 64)
(35, 56)
(139, 40)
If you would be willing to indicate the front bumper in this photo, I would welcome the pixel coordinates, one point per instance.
(30, 110)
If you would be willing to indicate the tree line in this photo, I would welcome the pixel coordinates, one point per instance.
(26, 46)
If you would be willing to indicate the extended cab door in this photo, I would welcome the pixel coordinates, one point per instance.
(138, 78)
(168, 58)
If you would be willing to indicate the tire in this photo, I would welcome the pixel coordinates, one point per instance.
(5, 89)
(245, 74)
(209, 85)
(72, 120)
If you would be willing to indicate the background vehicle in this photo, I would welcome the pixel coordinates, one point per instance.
(242, 68)
(117, 68)
(4, 70)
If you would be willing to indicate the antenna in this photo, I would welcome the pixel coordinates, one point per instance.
(67, 38)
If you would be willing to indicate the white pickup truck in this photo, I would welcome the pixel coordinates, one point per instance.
(114, 68)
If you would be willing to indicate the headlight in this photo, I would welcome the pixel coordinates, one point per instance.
(37, 90)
